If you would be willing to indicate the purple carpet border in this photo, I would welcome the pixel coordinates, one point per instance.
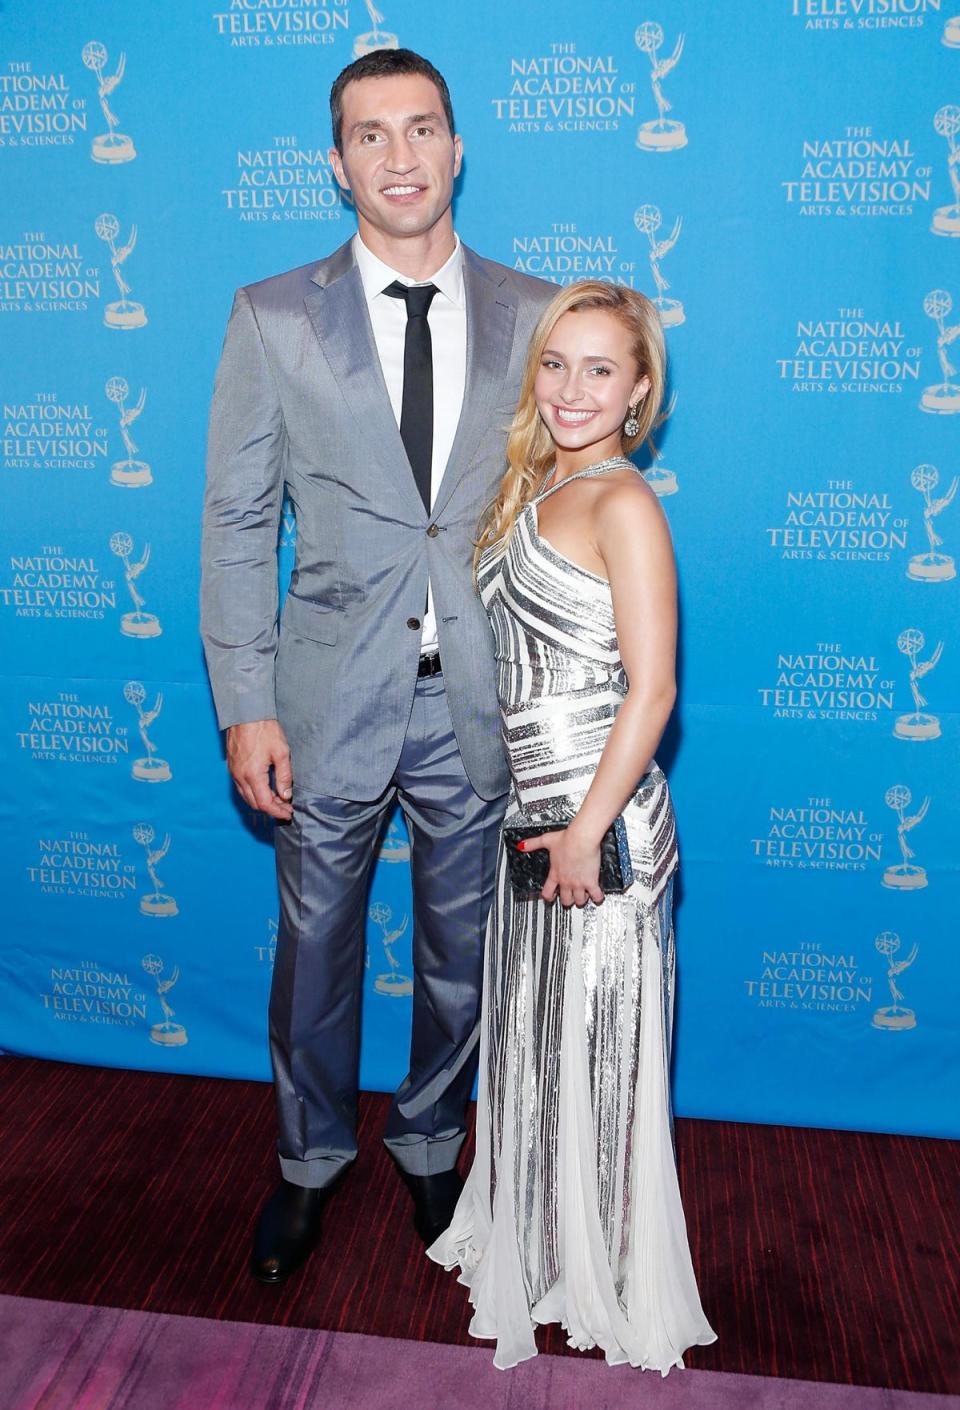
(66, 1356)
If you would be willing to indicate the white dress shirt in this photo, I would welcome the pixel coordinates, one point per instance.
(447, 318)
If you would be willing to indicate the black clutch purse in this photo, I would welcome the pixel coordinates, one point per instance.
(529, 870)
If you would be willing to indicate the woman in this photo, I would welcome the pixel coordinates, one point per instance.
(571, 1212)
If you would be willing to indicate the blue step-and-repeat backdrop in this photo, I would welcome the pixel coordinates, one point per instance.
(783, 176)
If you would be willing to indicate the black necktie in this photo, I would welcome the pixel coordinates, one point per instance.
(416, 411)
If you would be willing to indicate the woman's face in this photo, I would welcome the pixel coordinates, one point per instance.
(587, 380)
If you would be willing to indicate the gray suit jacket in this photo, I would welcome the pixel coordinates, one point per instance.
(300, 405)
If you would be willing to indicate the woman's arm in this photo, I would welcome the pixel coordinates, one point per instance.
(633, 540)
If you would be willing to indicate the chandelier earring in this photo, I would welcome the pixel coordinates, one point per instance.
(631, 426)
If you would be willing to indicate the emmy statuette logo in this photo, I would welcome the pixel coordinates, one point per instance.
(659, 134)
(932, 567)
(918, 725)
(395, 846)
(943, 398)
(136, 623)
(123, 313)
(894, 1018)
(905, 875)
(951, 33)
(662, 481)
(112, 147)
(374, 38)
(946, 219)
(392, 983)
(166, 1034)
(150, 768)
(155, 902)
(130, 473)
(648, 220)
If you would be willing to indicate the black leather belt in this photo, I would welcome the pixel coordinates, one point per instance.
(429, 665)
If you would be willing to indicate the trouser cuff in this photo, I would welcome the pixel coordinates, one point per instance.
(313, 1174)
(425, 1155)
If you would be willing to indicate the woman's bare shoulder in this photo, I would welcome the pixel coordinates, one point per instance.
(627, 504)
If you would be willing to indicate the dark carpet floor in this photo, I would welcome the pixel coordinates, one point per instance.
(820, 1255)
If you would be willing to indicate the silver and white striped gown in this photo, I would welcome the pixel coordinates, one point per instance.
(571, 1212)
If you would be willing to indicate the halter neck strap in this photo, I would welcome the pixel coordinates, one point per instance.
(603, 467)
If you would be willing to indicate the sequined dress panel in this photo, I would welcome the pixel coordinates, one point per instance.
(572, 1211)
(560, 684)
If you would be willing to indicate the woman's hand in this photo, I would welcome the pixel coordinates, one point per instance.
(574, 866)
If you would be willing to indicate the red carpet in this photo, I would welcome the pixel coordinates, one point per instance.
(821, 1255)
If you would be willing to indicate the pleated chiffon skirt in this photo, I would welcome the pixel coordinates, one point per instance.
(571, 1212)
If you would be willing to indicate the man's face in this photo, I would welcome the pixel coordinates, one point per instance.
(399, 159)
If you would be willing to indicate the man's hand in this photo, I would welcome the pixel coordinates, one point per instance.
(251, 751)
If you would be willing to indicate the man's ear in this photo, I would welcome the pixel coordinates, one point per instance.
(336, 163)
(457, 155)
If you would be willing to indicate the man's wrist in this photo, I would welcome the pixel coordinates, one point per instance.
(254, 720)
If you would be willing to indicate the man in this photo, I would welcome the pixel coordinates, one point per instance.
(374, 388)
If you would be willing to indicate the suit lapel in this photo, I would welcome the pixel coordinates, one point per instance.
(491, 318)
(338, 312)
(337, 309)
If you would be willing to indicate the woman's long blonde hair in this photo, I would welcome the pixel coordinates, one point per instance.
(530, 447)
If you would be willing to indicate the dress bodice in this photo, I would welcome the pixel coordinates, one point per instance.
(560, 678)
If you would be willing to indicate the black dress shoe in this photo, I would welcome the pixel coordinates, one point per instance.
(288, 1231)
(434, 1200)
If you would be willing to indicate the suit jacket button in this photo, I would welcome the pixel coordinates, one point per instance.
(414, 623)
(433, 530)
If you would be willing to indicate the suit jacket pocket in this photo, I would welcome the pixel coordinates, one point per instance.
(312, 620)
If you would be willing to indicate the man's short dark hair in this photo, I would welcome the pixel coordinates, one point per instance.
(385, 63)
